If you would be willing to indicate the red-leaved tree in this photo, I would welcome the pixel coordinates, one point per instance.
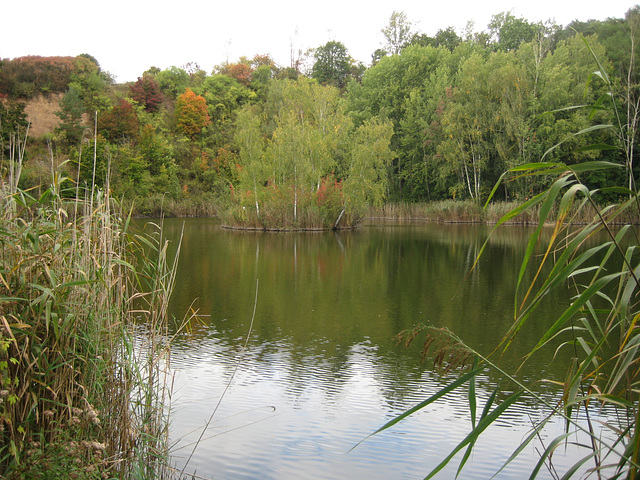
(146, 92)
(119, 123)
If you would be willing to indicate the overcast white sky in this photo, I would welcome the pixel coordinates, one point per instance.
(129, 36)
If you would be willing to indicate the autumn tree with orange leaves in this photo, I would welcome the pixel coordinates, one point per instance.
(191, 114)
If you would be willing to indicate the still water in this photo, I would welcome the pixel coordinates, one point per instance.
(321, 370)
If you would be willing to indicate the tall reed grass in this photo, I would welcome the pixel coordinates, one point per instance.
(467, 211)
(83, 372)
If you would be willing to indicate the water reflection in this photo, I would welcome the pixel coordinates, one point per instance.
(321, 370)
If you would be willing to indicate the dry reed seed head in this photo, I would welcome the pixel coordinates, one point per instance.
(99, 446)
(71, 447)
(92, 415)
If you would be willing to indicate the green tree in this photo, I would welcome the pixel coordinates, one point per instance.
(447, 38)
(154, 149)
(469, 124)
(406, 89)
(225, 96)
(332, 64)
(630, 94)
(509, 32)
(92, 163)
(250, 143)
(370, 154)
(70, 114)
(91, 84)
(13, 125)
(567, 71)
(302, 145)
(397, 33)
(173, 81)
(310, 127)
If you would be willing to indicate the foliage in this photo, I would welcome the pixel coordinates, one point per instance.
(464, 107)
(146, 92)
(225, 96)
(370, 155)
(79, 396)
(239, 71)
(173, 81)
(25, 77)
(510, 31)
(447, 38)
(71, 110)
(289, 151)
(119, 123)
(91, 163)
(91, 84)
(332, 64)
(191, 114)
(13, 121)
(397, 33)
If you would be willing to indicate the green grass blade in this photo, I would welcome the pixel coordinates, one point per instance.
(441, 393)
(482, 426)
(576, 466)
(485, 411)
(547, 452)
(534, 434)
(575, 307)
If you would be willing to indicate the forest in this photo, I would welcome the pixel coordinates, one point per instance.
(431, 118)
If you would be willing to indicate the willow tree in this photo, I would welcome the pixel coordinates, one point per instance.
(310, 131)
(309, 144)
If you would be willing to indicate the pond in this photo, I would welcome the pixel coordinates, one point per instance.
(293, 359)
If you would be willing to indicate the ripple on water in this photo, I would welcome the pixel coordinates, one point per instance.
(287, 411)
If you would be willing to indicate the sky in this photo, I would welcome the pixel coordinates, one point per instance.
(128, 37)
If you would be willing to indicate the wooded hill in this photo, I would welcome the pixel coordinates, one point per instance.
(431, 118)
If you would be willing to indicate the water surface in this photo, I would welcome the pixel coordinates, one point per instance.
(321, 369)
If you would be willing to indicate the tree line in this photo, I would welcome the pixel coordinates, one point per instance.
(431, 118)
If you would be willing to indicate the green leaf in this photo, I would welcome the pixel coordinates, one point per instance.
(575, 307)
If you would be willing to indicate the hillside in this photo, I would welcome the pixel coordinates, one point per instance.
(40, 112)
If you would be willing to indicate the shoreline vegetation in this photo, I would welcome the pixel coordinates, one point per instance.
(84, 392)
(442, 211)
